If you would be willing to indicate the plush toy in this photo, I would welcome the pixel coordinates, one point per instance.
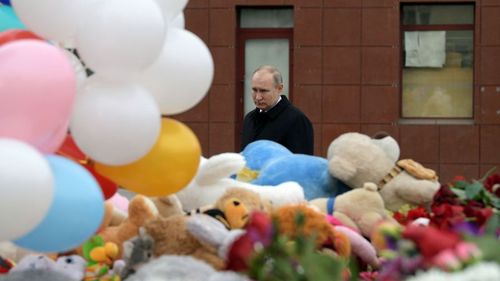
(168, 205)
(182, 268)
(136, 252)
(72, 268)
(360, 209)
(355, 159)
(5, 265)
(141, 210)
(314, 223)
(273, 164)
(236, 205)
(214, 177)
(36, 274)
(171, 237)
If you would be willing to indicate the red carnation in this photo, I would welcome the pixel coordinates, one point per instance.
(492, 184)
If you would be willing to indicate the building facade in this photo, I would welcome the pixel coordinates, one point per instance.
(426, 72)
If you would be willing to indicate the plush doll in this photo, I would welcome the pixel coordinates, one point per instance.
(141, 210)
(168, 205)
(69, 268)
(102, 262)
(360, 209)
(137, 252)
(273, 164)
(214, 177)
(314, 223)
(200, 236)
(236, 205)
(171, 237)
(355, 159)
(182, 268)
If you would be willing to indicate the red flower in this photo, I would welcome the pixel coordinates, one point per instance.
(258, 232)
(445, 195)
(477, 212)
(431, 240)
(445, 216)
(492, 184)
(418, 212)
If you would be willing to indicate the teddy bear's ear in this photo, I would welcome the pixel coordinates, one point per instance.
(220, 166)
(341, 168)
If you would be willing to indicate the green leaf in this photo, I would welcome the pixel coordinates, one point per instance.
(493, 224)
(472, 190)
(489, 246)
(459, 192)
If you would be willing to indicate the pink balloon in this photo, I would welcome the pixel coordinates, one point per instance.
(37, 92)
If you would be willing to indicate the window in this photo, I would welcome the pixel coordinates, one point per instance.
(438, 60)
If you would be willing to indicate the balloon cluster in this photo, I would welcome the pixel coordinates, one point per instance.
(145, 65)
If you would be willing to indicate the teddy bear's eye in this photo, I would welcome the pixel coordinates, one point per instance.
(236, 203)
(69, 260)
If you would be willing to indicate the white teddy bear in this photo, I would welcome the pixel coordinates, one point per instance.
(356, 158)
(213, 179)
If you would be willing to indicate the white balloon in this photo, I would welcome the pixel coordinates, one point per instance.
(78, 68)
(182, 74)
(171, 8)
(178, 21)
(53, 19)
(121, 37)
(26, 188)
(115, 122)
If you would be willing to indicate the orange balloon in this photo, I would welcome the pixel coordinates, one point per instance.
(167, 168)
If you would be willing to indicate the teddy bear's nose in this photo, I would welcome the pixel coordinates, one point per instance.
(236, 203)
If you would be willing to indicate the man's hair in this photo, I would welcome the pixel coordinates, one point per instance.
(277, 78)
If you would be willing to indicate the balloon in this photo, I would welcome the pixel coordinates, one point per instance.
(178, 21)
(171, 8)
(9, 20)
(41, 17)
(78, 68)
(5, 2)
(16, 34)
(37, 91)
(182, 74)
(71, 151)
(26, 188)
(115, 122)
(75, 214)
(122, 37)
(167, 168)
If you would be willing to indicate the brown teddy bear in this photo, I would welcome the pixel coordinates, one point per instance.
(171, 237)
(361, 209)
(140, 210)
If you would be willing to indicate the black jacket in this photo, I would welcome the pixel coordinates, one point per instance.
(284, 124)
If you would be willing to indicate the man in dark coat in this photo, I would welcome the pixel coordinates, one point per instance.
(275, 118)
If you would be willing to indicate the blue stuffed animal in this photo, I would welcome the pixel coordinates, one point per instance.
(272, 164)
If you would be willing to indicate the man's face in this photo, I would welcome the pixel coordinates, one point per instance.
(264, 92)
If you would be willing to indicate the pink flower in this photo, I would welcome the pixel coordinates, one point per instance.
(446, 260)
(466, 251)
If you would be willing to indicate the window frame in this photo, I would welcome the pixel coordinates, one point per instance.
(435, 27)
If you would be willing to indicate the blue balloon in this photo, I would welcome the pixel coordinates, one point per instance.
(9, 19)
(5, 2)
(75, 214)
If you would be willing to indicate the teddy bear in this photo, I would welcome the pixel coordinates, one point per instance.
(140, 210)
(214, 177)
(314, 223)
(360, 209)
(200, 236)
(270, 163)
(355, 159)
(42, 267)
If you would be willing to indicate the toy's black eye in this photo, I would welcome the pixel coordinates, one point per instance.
(148, 255)
(236, 203)
(69, 260)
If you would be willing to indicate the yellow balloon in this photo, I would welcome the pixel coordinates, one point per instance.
(167, 168)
